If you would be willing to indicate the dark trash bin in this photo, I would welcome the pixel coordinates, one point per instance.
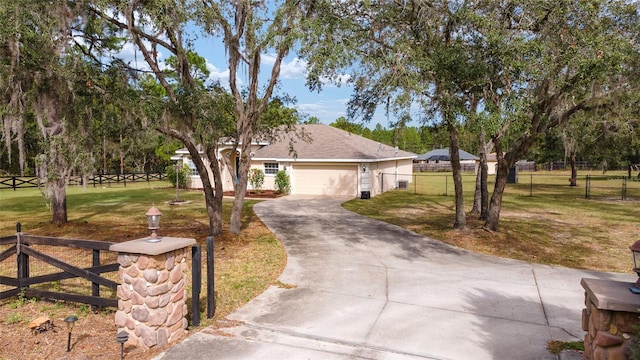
(512, 176)
(365, 194)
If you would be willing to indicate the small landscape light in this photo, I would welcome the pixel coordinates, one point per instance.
(635, 250)
(122, 338)
(153, 218)
(70, 320)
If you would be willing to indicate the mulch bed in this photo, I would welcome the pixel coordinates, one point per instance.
(252, 194)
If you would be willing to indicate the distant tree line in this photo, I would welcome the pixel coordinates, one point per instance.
(611, 144)
(527, 79)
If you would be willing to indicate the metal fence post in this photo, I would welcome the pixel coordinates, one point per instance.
(531, 186)
(446, 185)
(586, 187)
(211, 295)
(196, 275)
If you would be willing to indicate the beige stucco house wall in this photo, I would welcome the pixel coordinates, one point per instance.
(228, 172)
(492, 164)
(332, 162)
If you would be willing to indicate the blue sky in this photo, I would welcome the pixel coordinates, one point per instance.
(327, 105)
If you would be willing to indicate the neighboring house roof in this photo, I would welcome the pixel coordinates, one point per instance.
(443, 155)
(328, 144)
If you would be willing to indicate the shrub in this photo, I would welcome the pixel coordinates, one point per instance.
(283, 185)
(256, 179)
(182, 175)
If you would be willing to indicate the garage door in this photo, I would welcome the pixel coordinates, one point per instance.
(325, 180)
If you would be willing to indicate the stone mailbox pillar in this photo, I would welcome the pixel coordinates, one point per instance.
(152, 293)
(609, 318)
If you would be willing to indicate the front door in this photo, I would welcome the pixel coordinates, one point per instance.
(365, 178)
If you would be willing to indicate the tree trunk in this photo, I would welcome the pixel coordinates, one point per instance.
(213, 199)
(121, 156)
(477, 195)
(484, 189)
(484, 179)
(215, 215)
(454, 153)
(105, 169)
(493, 214)
(481, 195)
(59, 200)
(241, 186)
(574, 170)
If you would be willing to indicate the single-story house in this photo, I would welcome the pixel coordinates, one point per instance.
(325, 161)
(523, 165)
(439, 160)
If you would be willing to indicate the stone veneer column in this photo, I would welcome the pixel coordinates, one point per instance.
(152, 293)
(609, 319)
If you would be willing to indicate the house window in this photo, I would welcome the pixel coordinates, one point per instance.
(270, 168)
(192, 167)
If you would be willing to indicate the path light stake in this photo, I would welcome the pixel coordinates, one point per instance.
(635, 250)
(153, 218)
(122, 338)
(70, 320)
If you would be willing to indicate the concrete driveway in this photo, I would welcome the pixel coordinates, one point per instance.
(364, 289)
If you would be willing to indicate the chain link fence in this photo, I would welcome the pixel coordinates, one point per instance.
(614, 186)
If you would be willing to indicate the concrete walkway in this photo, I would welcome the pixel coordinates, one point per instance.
(364, 289)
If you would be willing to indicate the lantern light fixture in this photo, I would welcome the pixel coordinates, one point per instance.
(153, 219)
(122, 338)
(70, 321)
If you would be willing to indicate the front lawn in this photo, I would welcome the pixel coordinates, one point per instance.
(245, 265)
(557, 226)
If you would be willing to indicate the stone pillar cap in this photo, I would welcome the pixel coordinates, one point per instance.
(142, 246)
(611, 295)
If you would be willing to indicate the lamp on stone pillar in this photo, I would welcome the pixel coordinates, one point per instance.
(153, 218)
(635, 250)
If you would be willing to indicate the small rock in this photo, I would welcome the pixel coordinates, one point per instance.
(41, 324)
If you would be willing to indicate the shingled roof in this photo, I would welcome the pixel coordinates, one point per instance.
(328, 144)
(443, 155)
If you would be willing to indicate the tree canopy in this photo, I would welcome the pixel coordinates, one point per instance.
(519, 68)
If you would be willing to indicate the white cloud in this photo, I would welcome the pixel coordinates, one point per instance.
(216, 74)
(336, 81)
(325, 110)
(294, 69)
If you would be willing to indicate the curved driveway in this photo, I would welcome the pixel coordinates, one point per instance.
(364, 289)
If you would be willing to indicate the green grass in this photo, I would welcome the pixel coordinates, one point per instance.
(245, 264)
(553, 224)
(14, 318)
(555, 347)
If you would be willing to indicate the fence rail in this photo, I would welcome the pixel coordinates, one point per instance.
(30, 265)
(20, 182)
(37, 263)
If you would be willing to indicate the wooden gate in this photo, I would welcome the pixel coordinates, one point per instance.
(22, 248)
